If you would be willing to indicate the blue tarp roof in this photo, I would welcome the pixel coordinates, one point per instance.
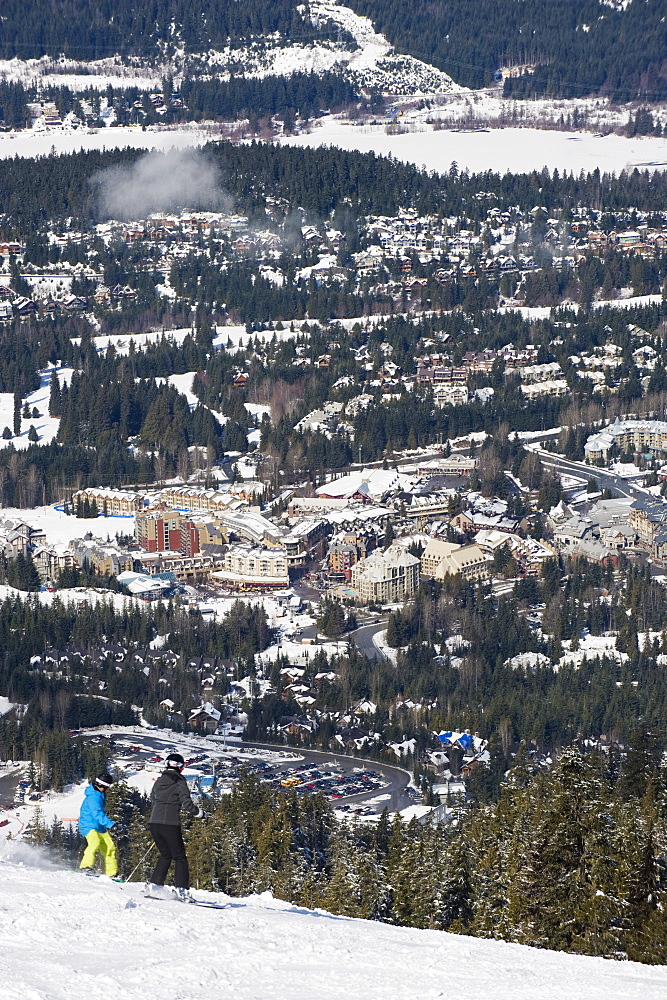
(464, 740)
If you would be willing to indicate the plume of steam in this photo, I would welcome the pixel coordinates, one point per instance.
(161, 182)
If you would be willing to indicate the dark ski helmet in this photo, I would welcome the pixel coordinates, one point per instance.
(103, 781)
(175, 760)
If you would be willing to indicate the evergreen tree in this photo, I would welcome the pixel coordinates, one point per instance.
(55, 397)
(17, 414)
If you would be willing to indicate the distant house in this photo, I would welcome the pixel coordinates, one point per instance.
(25, 307)
(205, 718)
(296, 725)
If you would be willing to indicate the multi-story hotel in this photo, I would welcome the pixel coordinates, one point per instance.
(636, 436)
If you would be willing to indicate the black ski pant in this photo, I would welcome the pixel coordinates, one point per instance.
(169, 842)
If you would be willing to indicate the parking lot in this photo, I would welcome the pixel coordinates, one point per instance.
(355, 787)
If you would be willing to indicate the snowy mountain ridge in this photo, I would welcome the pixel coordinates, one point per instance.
(66, 935)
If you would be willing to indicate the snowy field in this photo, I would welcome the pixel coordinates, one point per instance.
(76, 596)
(121, 341)
(517, 150)
(279, 617)
(235, 338)
(61, 528)
(66, 936)
(36, 143)
(46, 426)
(232, 338)
(508, 149)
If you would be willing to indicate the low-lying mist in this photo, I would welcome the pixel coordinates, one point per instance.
(183, 179)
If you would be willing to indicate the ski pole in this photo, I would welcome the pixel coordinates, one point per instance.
(140, 861)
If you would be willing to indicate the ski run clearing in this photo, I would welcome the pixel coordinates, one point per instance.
(65, 936)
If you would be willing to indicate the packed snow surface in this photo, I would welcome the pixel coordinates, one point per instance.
(66, 936)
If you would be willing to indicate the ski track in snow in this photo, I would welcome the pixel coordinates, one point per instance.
(66, 937)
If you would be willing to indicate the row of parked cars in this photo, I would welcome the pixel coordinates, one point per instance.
(335, 783)
(330, 778)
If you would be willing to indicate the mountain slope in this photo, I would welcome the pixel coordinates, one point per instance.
(557, 48)
(566, 48)
(66, 936)
(94, 29)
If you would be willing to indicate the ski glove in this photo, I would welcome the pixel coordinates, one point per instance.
(201, 814)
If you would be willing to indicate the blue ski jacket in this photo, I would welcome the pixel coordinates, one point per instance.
(92, 815)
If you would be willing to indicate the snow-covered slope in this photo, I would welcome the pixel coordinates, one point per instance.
(371, 62)
(65, 936)
(375, 64)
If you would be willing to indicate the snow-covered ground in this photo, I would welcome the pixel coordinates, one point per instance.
(279, 616)
(233, 338)
(61, 528)
(297, 653)
(33, 143)
(372, 62)
(65, 936)
(46, 426)
(77, 75)
(589, 647)
(76, 596)
(236, 337)
(375, 63)
(532, 313)
(508, 149)
(121, 341)
(517, 150)
(388, 652)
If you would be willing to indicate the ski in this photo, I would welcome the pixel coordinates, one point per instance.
(89, 874)
(189, 902)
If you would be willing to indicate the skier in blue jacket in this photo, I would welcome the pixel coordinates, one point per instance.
(94, 825)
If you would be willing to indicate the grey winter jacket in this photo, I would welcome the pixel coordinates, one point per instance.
(169, 796)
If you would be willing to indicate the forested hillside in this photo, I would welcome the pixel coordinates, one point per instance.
(318, 181)
(95, 29)
(565, 48)
(578, 47)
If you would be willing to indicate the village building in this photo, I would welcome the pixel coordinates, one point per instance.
(307, 540)
(248, 566)
(104, 558)
(115, 503)
(635, 436)
(205, 719)
(386, 577)
(51, 560)
(441, 559)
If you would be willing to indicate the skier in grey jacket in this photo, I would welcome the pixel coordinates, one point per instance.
(170, 796)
